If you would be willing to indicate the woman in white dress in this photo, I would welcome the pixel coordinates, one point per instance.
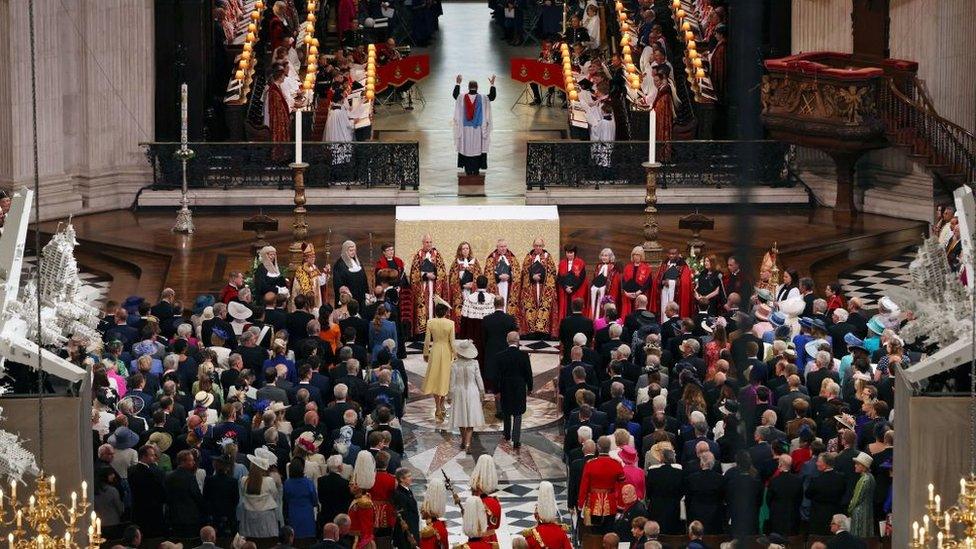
(467, 391)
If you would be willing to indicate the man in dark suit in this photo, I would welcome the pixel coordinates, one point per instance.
(274, 312)
(406, 504)
(664, 489)
(607, 349)
(164, 310)
(637, 319)
(330, 536)
(297, 321)
(350, 338)
(271, 391)
(689, 452)
(496, 327)
(356, 387)
(382, 393)
(332, 415)
(857, 318)
(704, 495)
(842, 538)
(360, 325)
(784, 495)
(379, 441)
(784, 405)
(147, 486)
(838, 329)
(219, 321)
(568, 388)
(587, 452)
(571, 440)
(184, 502)
(806, 291)
(762, 453)
(574, 323)
(514, 386)
(828, 495)
(334, 494)
(616, 376)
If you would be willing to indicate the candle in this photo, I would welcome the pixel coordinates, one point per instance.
(30, 503)
(67, 539)
(915, 531)
(921, 535)
(925, 524)
(13, 490)
(10, 540)
(74, 502)
(84, 491)
(931, 491)
(938, 504)
(652, 137)
(183, 114)
(946, 521)
(52, 484)
(962, 487)
(938, 540)
(98, 527)
(1, 502)
(298, 136)
(20, 518)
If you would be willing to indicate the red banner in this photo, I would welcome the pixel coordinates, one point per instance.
(534, 71)
(413, 68)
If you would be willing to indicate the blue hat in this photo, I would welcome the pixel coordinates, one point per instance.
(123, 439)
(806, 322)
(145, 347)
(778, 318)
(220, 332)
(875, 325)
(854, 342)
(202, 302)
(818, 323)
(131, 304)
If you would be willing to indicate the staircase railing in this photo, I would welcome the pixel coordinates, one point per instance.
(951, 149)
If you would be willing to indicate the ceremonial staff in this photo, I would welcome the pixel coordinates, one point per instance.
(450, 486)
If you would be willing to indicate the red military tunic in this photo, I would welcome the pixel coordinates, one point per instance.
(434, 535)
(382, 495)
(361, 519)
(548, 535)
(635, 278)
(477, 543)
(493, 508)
(602, 477)
(573, 276)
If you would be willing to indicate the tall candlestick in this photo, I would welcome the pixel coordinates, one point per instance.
(183, 116)
(652, 137)
(298, 136)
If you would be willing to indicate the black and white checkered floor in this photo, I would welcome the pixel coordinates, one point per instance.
(870, 282)
(518, 507)
(527, 345)
(95, 287)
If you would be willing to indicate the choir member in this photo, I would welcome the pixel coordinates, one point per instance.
(605, 284)
(571, 281)
(636, 280)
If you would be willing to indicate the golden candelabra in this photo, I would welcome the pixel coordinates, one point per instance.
(33, 524)
(952, 528)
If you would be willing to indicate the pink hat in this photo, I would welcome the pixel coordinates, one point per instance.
(628, 454)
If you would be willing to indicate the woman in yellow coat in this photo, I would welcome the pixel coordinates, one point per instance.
(439, 354)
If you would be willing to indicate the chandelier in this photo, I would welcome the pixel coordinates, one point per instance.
(33, 524)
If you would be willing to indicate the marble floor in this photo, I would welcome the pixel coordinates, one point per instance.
(469, 45)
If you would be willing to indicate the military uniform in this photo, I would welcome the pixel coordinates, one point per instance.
(548, 535)
(601, 480)
(362, 516)
(434, 535)
(493, 508)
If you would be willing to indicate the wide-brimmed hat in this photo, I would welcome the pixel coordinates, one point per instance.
(854, 342)
(138, 403)
(778, 318)
(875, 325)
(888, 304)
(144, 347)
(763, 311)
(277, 407)
(813, 346)
(465, 348)
(764, 295)
(845, 421)
(123, 438)
(806, 322)
(819, 324)
(260, 462)
(161, 440)
(792, 307)
(203, 398)
(239, 310)
(219, 332)
(628, 454)
(263, 452)
(202, 302)
(864, 460)
(309, 441)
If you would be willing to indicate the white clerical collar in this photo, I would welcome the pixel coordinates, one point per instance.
(464, 262)
(355, 267)
(503, 259)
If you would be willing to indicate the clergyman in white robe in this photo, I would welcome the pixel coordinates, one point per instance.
(472, 127)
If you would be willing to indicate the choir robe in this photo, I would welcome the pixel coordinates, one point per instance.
(574, 277)
(664, 112)
(424, 290)
(472, 129)
(338, 126)
(494, 266)
(548, 535)
(537, 300)
(396, 263)
(635, 278)
(683, 290)
(434, 535)
(279, 121)
(604, 286)
(717, 70)
(455, 289)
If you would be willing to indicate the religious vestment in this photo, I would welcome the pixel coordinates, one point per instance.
(279, 120)
(537, 298)
(395, 264)
(310, 282)
(674, 283)
(664, 112)
(572, 278)
(497, 265)
(635, 279)
(339, 133)
(352, 276)
(604, 288)
(476, 306)
(472, 129)
(424, 289)
(460, 282)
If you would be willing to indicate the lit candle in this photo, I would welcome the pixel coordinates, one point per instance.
(183, 114)
(298, 136)
(67, 539)
(938, 504)
(945, 520)
(20, 518)
(13, 490)
(1, 502)
(84, 491)
(962, 487)
(938, 540)
(652, 137)
(925, 524)
(931, 491)
(74, 502)
(91, 534)
(52, 484)
(92, 518)
(98, 527)
(30, 503)
(10, 540)
(915, 531)
(921, 535)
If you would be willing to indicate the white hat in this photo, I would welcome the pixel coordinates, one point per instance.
(466, 348)
(864, 460)
(264, 453)
(545, 506)
(259, 461)
(889, 305)
(207, 313)
(239, 310)
(203, 398)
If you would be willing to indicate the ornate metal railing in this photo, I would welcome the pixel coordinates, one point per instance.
(248, 164)
(683, 164)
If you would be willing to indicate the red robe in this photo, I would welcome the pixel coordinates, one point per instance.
(664, 113)
(684, 291)
(361, 519)
(580, 288)
(547, 535)
(601, 479)
(383, 263)
(382, 495)
(612, 292)
(494, 510)
(639, 278)
(434, 535)
(279, 117)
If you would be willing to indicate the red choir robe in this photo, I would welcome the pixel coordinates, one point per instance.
(570, 276)
(635, 278)
(538, 304)
(279, 120)
(384, 263)
(718, 70)
(362, 516)
(382, 495)
(684, 291)
(548, 535)
(434, 535)
(610, 282)
(664, 112)
(423, 290)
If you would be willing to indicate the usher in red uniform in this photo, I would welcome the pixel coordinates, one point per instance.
(601, 479)
(434, 535)
(548, 535)
(362, 515)
(382, 495)
(493, 508)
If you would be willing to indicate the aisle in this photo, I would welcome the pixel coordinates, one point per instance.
(469, 44)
